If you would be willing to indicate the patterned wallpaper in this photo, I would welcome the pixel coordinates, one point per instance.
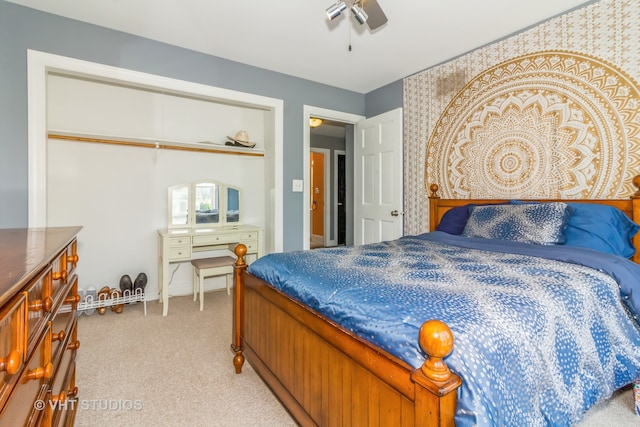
(549, 113)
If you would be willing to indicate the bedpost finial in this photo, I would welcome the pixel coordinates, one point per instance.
(434, 191)
(240, 250)
(636, 183)
(436, 339)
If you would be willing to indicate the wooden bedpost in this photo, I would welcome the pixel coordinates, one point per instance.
(635, 205)
(436, 386)
(433, 207)
(238, 306)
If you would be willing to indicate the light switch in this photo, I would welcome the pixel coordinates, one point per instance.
(298, 185)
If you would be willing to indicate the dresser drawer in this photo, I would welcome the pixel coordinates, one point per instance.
(39, 303)
(34, 378)
(72, 257)
(13, 343)
(180, 241)
(216, 239)
(63, 319)
(59, 274)
(180, 253)
(64, 413)
(63, 388)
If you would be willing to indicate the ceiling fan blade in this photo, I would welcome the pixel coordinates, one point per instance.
(377, 18)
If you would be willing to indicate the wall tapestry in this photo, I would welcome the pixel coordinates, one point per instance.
(549, 113)
(546, 125)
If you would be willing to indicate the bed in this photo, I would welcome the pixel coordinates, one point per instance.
(315, 359)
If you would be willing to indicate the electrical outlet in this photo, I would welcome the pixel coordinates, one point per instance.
(298, 185)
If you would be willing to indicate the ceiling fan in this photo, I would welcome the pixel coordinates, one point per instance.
(368, 11)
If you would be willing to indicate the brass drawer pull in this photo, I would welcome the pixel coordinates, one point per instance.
(11, 364)
(73, 392)
(74, 345)
(40, 372)
(74, 299)
(43, 304)
(60, 275)
(59, 336)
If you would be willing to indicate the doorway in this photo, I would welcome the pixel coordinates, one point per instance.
(348, 120)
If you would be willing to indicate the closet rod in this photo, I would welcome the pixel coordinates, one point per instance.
(150, 145)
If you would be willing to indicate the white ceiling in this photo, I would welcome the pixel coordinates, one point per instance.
(295, 38)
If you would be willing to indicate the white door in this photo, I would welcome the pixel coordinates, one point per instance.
(378, 178)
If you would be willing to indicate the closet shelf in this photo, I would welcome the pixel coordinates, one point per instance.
(206, 147)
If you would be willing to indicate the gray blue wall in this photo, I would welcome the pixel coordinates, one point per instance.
(22, 28)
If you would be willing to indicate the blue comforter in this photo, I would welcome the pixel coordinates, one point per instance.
(541, 332)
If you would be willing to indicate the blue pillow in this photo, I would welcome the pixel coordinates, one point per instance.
(454, 220)
(542, 224)
(602, 228)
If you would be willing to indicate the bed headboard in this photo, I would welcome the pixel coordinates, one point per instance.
(630, 206)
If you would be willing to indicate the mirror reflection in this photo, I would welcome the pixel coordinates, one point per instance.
(233, 204)
(179, 204)
(207, 204)
(203, 204)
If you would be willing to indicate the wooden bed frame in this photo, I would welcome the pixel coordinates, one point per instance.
(325, 375)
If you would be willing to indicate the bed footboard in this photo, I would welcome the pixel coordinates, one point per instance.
(325, 375)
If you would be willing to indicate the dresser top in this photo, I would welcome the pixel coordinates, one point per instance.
(24, 251)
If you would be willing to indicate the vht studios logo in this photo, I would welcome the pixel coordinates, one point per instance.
(91, 404)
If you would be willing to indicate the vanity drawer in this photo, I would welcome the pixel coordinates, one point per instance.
(13, 343)
(33, 380)
(39, 303)
(249, 235)
(180, 253)
(216, 239)
(180, 241)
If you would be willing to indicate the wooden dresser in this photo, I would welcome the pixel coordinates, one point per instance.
(38, 333)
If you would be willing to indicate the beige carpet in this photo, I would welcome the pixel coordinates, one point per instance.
(178, 369)
(136, 370)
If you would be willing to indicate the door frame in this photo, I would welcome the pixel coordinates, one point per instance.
(307, 112)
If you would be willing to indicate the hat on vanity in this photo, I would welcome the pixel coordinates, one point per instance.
(242, 139)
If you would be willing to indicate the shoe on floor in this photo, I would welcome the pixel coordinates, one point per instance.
(126, 284)
(140, 282)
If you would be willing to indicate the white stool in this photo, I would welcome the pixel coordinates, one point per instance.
(209, 267)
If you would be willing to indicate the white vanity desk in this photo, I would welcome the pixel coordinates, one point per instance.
(202, 216)
(183, 244)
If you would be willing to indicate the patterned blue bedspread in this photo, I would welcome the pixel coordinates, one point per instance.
(537, 341)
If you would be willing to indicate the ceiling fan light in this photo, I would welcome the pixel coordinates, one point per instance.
(335, 10)
(359, 14)
(314, 122)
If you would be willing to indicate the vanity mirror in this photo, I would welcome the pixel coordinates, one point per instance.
(204, 204)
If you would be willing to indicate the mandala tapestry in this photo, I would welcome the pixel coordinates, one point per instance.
(544, 125)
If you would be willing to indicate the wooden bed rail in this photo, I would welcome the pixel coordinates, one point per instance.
(431, 389)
